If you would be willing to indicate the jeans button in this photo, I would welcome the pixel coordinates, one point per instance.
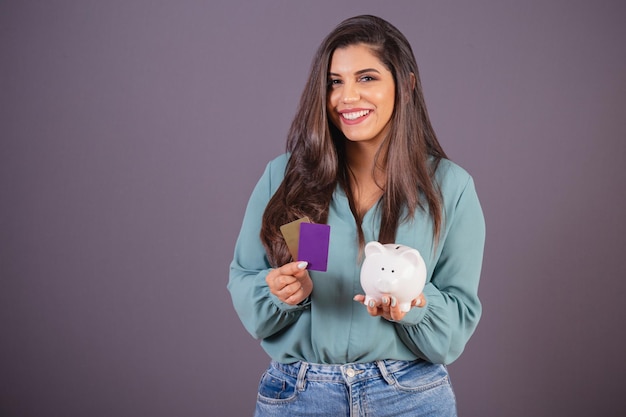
(350, 372)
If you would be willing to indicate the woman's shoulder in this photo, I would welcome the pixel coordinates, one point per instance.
(451, 177)
(279, 161)
(275, 171)
(277, 165)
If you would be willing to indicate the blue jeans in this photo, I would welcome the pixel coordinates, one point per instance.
(383, 388)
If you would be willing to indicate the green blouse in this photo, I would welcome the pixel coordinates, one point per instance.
(332, 328)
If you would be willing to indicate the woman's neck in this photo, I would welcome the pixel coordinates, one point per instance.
(367, 175)
(363, 161)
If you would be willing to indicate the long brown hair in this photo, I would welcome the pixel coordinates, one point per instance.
(317, 162)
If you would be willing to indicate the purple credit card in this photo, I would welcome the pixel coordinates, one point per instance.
(313, 245)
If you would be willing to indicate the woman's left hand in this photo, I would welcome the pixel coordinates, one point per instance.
(389, 308)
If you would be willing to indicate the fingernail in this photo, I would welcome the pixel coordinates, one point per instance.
(393, 301)
(372, 303)
(302, 265)
(385, 300)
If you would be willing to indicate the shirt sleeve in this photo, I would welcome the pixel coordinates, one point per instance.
(261, 313)
(439, 331)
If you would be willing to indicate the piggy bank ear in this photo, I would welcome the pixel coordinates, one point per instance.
(413, 256)
(373, 247)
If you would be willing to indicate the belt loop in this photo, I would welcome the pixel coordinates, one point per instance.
(385, 374)
(300, 384)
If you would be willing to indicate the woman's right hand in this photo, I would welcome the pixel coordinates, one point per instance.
(291, 282)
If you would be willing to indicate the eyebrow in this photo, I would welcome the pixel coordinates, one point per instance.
(359, 72)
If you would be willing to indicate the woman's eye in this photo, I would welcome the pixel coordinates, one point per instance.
(334, 82)
(366, 78)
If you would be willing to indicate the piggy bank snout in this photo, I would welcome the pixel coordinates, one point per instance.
(386, 284)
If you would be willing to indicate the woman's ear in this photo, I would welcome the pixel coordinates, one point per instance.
(413, 81)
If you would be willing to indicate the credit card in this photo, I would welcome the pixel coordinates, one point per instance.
(313, 245)
(291, 234)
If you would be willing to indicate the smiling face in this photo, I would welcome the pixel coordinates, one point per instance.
(361, 94)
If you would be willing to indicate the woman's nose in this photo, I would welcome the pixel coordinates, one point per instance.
(350, 93)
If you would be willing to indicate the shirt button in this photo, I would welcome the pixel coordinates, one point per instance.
(350, 372)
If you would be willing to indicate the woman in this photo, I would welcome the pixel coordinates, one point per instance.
(363, 158)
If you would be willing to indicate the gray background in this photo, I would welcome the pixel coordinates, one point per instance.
(132, 133)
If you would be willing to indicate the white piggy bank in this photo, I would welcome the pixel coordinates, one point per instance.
(392, 269)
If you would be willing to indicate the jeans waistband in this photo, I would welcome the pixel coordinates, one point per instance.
(349, 373)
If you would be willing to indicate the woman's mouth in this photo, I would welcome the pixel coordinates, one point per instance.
(352, 117)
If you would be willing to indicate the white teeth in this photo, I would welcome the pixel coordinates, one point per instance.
(355, 115)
